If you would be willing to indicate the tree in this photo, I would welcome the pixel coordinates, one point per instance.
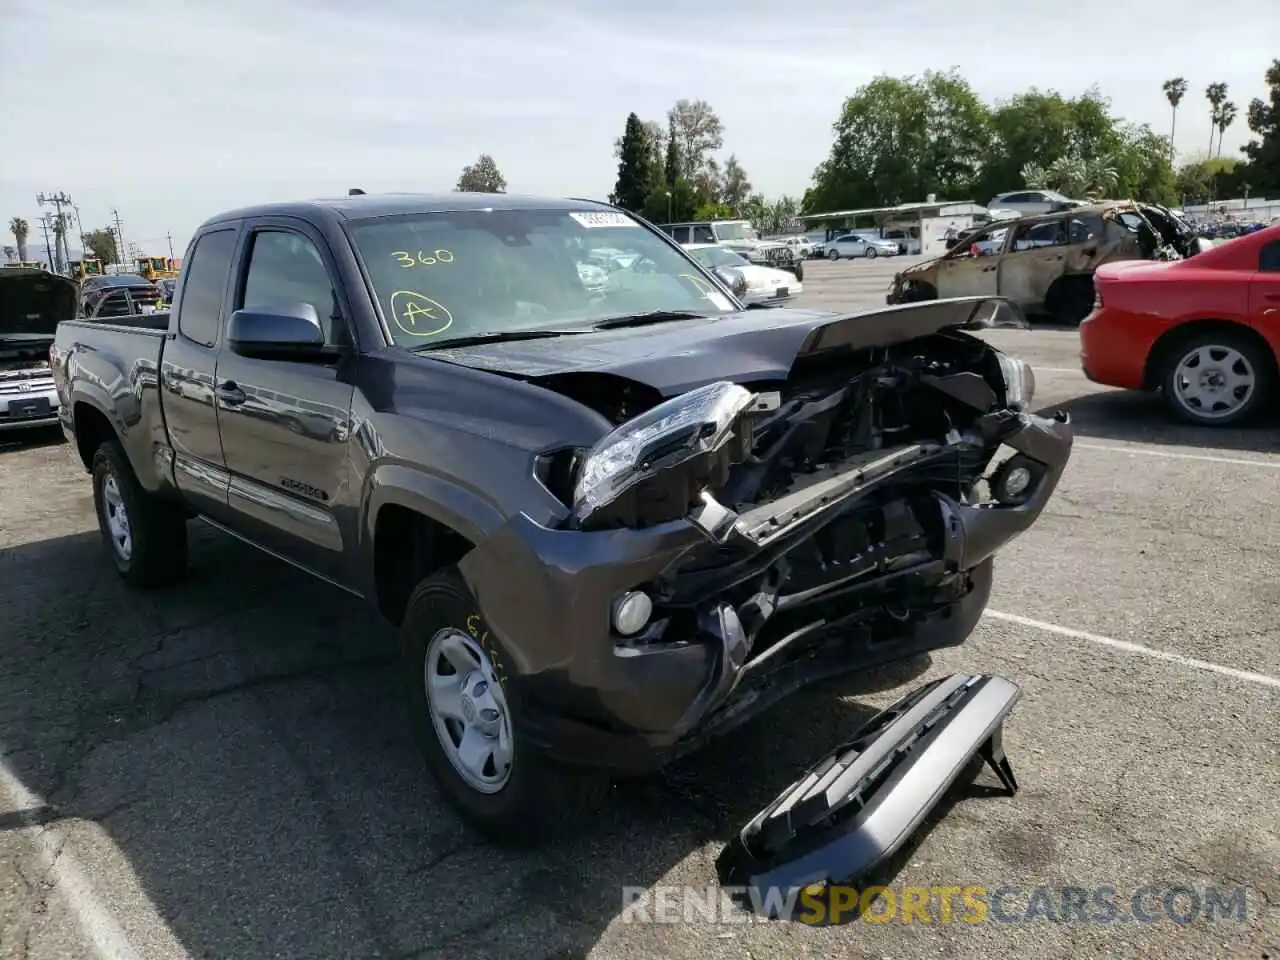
(1174, 91)
(482, 176)
(102, 244)
(1264, 153)
(709, 181)
(1216, 94)
(672, 204)
(697, 132)
(901, 139)
(637, 175)
(735, 185)
(1226, 116)
(10, 252)
(671, 163)
(20, 230)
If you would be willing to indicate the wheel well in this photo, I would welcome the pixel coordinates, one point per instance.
(1172, 338)
(407, 548)
(92, 428)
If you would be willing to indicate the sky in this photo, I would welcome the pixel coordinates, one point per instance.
(172, 112)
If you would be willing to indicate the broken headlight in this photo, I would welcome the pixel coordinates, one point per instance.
(1019, 381)
(654, 465)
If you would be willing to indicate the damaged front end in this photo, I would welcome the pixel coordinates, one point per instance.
(740, 541)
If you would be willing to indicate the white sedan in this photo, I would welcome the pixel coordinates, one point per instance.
(764, 284)
(853, 245)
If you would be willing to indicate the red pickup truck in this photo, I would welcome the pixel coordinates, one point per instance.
(1204, 331)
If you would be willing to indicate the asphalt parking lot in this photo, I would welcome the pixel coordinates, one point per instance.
(220, 771)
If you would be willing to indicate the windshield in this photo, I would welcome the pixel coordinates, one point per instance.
(718, 257)
(735, 231)
(443, 276)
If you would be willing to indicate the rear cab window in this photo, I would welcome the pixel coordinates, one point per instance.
(208, 269)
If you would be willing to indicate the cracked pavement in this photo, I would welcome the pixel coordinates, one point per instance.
(229, 769)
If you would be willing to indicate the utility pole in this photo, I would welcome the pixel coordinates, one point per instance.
(169, 237)
(120, 251)
(58, 201)
(44, 225)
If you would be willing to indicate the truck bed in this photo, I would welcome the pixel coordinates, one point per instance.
(117, 364)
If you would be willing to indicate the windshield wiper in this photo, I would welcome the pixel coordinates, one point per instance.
(649, 316)
(496, 336)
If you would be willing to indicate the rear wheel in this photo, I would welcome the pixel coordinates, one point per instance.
(1216, 378)
(145, 535)
(1071, 299)
(466, 716)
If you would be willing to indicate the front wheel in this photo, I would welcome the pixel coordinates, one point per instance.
(833, 255)
(145, 536)
(1216, 379)
(871, 253)
(466, 715)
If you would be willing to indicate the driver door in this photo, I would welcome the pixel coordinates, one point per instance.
(962, 274)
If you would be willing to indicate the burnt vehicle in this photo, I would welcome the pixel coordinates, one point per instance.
(32, 303)
(610, 522)
(1045, 263)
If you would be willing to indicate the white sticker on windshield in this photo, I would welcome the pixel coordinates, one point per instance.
(605, 218)
(720, 301)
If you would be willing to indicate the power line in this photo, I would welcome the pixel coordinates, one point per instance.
(120, 247)
(62, 253)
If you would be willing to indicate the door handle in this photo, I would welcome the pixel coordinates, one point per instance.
(230, 394)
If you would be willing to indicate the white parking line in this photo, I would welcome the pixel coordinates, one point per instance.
(1259, 678)
(59, 864)
(1170, 455)
(1038, 368)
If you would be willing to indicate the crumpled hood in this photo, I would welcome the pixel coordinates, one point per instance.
(752, 345)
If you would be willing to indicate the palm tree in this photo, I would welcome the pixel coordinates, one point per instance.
(1174, 91)
(1216, 94)
(1226, 116)
(20, 230)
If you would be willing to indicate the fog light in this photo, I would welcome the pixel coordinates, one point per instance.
(1014, 480)
(1016, 483)
(631, 612)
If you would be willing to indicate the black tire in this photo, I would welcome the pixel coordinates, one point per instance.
(1218, 341)
(156, 553)
(871, 253)
(1071, 300)
(540, 799)
(833, 255)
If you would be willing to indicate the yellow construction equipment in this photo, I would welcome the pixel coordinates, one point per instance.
(90, 267)
(157, 268)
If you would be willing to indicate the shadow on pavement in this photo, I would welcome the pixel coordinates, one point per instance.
(236, 739)
(1130, 415)
(36, 437)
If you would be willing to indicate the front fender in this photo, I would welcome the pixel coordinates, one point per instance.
(436, 497)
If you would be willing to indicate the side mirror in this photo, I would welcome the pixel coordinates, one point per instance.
(280, 332)
(734, 279)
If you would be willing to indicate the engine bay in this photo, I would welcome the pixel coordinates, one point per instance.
(833, 407)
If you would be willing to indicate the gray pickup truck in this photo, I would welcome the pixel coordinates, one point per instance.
(611, 521)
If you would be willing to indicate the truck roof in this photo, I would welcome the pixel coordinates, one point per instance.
(390, 204)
